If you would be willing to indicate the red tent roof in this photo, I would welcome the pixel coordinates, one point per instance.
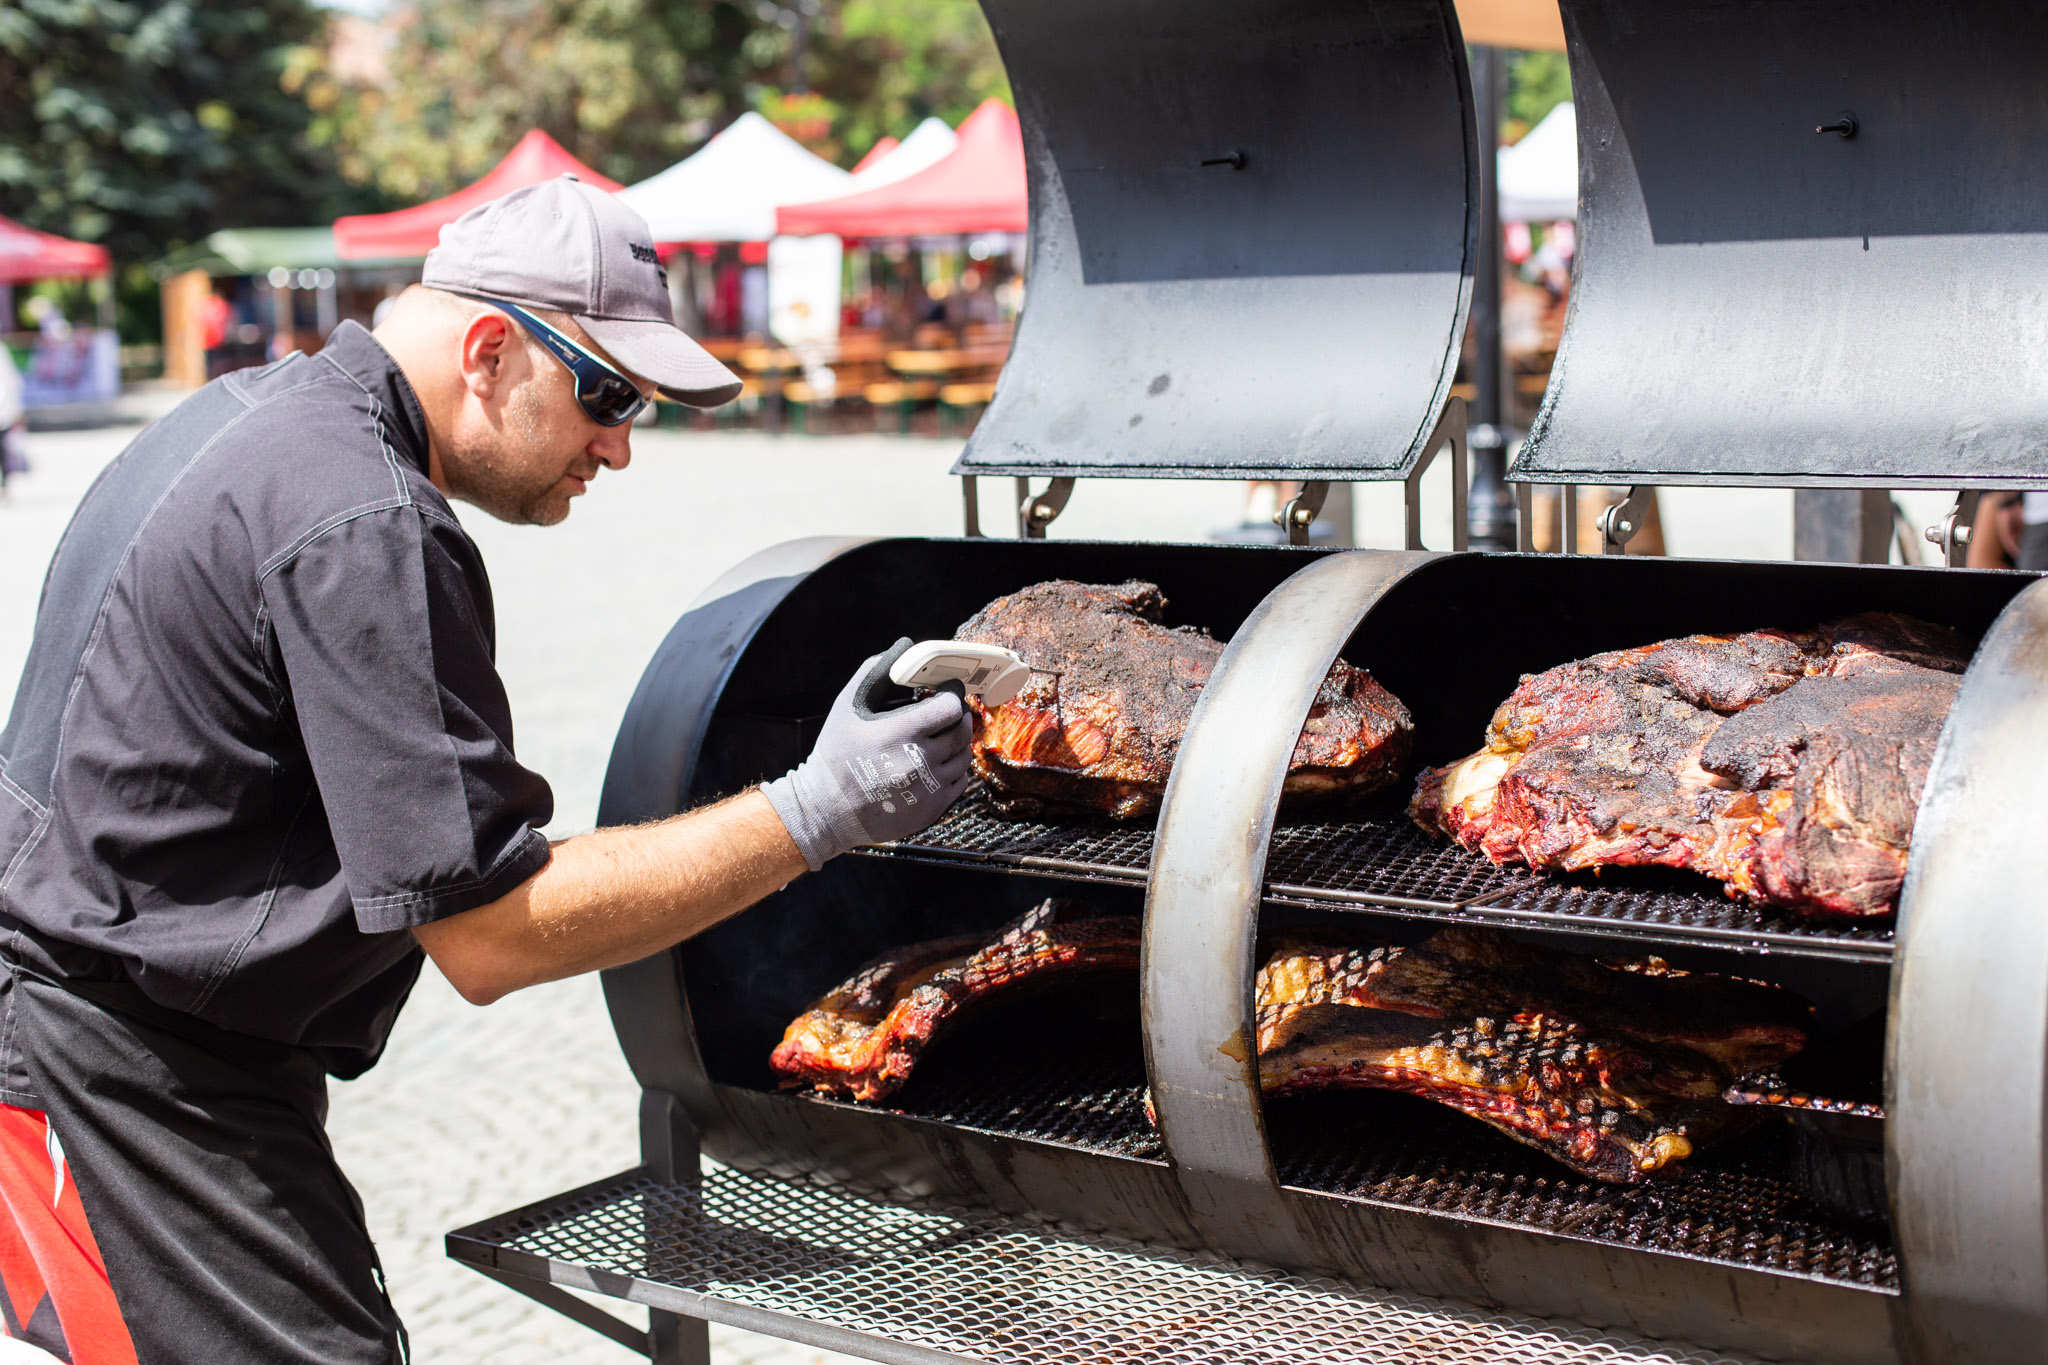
(26, 254)
(413, 232)
(978, 188)
(876, 153)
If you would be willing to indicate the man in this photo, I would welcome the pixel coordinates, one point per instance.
(260, 759)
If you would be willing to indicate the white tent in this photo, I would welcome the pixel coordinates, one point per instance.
(729, 189)
(1539, 176)
(929, 142)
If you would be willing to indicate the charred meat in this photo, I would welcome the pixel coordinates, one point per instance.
(1614, 1069)
(1097, 727)
(862, 1040)
(1785, 764)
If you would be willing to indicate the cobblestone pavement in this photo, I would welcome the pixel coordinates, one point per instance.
(475, 1112)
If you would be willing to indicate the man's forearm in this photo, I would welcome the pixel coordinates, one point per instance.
(615, 896)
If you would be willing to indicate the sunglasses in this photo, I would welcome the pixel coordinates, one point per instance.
(607, 397)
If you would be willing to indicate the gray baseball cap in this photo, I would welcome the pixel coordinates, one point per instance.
(572, 247)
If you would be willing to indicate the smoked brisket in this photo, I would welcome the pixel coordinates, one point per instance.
(1786, 764)
(862, 1040)
(1614, 1069)
(1097, 728)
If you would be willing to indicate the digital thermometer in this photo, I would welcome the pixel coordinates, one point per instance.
(990, 672)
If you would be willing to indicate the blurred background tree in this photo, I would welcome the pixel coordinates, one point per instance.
(146, 124)
(1537, 83)
(632, 86)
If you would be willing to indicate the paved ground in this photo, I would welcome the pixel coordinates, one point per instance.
(476, 1112)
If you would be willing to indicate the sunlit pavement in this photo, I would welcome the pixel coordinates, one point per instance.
(476, 1112)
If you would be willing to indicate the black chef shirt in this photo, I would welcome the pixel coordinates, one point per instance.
(261, 734)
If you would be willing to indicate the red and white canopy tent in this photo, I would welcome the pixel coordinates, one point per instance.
(26, 254)
(979, 187)
(412, 233)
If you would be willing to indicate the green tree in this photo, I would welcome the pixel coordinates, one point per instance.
(1537, 83)
(632, 86)
(628, 86)
(889, 64)
(145, 124)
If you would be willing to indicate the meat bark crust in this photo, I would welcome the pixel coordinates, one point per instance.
(1788, 765)
(1099, 724)
(863, 1040)
(1614, 1069)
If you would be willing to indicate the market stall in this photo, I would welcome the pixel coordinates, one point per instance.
(412, 232)
(61, 364)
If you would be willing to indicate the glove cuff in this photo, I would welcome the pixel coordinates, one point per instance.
(812, 837)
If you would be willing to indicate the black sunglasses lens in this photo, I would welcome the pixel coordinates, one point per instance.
(610, 400)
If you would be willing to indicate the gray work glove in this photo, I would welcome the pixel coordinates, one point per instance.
(874, 775)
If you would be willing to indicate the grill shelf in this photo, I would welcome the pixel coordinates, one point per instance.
(1374, 859)
(914, 1281)
(1738, 1203)
(1066, 1086)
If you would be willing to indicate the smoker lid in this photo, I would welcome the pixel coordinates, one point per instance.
(1760, 303)
(1295, 308)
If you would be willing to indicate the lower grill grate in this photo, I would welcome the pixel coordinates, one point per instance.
(1066, 1086)
(1739, 1203)
(1375, 858)
(900, 1280)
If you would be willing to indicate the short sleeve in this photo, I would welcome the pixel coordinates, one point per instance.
(384, 626)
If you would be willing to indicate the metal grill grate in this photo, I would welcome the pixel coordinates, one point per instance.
(1071, 1085)
(1736, 1203)
(899, 1280)
(1375, 858)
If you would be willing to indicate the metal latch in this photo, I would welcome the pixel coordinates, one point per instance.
(1619, 523)
(1302, 509)
(1035, 512)
(1952, 535)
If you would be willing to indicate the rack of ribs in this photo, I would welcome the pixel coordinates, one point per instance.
(1097, 727)
(862, 1040)
(1615, 1069)
(1786, 764)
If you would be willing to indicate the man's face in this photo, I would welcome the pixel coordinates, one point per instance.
(529, 448)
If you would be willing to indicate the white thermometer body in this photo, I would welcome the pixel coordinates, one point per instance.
(990, 672)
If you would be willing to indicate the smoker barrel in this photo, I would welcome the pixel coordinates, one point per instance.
(1758, 302)
(1047, 1120)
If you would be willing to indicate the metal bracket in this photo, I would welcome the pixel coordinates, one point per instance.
(1035, 513)
(1450, 431)
(1619, 523)
(573, 1308)
(970, 507)
(1525, 518)
(1952, 534)
(1302, 509)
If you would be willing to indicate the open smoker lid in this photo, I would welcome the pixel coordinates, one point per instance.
(1759, 303)
(1294, 308)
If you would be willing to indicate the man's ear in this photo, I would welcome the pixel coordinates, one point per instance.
(487, 350)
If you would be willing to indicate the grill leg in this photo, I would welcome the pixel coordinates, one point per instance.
(678, 1340)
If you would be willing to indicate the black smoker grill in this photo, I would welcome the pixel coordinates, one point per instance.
(1253, 238)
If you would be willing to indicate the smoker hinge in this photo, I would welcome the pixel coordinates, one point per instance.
(1448, 434)
(1302, 509)
(1952, 535)
(1619, 523)
(1035, 512)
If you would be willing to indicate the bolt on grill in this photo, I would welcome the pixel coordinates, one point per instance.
(878, 1274)
(1374, 858)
